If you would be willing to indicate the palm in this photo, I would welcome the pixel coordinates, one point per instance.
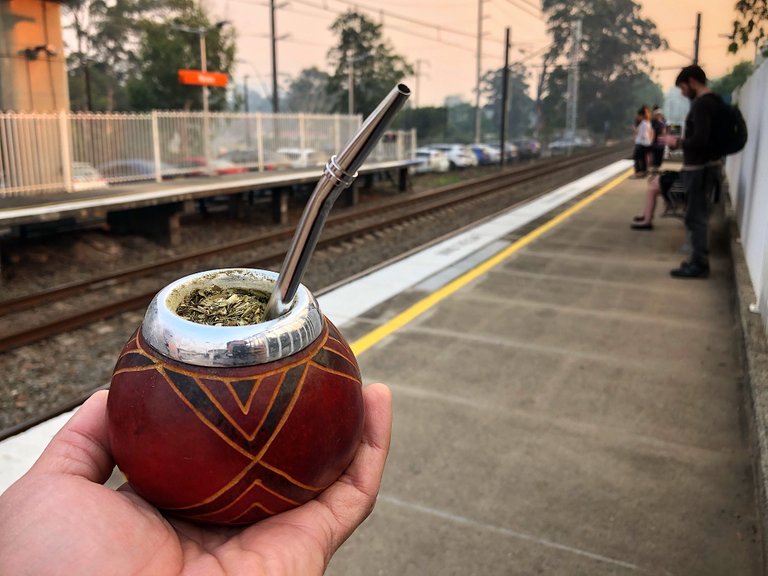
(80, 523)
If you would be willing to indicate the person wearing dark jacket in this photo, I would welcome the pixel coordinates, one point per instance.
(701, 166)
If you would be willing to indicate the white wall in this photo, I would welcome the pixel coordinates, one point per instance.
(748, 178)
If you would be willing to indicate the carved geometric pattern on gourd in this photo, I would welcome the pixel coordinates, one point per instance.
(247, 414)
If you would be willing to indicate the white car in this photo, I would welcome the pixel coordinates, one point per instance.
(303, 157)
(459, 155)
(86, 177)
(431, 161)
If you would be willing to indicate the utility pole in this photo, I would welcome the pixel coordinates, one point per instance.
(418, 82)
(696, 39)
(245, 92)
(572, 105)
(350, 83)
(504, 95)
(275, 95)
(201, 33)
(479, 64)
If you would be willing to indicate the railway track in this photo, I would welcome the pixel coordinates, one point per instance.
(340, 228)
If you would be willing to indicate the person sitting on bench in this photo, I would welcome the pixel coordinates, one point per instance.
(669, 186)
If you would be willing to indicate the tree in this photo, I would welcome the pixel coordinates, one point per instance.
(376, 68)
(308, 92)
(164, 49)
(738, 75)
(519, 104)
(614, 49)
(120, 45)
(751, 25)
(430, 122)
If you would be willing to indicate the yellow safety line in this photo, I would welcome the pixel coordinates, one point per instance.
(416, 310)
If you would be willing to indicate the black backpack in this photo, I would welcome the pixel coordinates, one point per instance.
(729, 131)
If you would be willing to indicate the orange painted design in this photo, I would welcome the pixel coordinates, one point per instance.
(290, 479)
(334, 372)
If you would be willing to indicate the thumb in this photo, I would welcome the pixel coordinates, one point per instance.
(81, 447)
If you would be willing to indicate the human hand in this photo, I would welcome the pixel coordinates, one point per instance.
(59, 518)
(670, 140)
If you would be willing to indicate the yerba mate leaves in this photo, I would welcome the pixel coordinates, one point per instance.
(217, 306)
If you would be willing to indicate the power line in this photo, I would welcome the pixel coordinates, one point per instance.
(523, 8)
(532, 5)
(325, 9)
(410, 20)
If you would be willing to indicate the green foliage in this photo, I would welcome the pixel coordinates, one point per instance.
(614, 48)
(751, 25)
(308, 92)
(430, 122)
(376, 68)
(131, 54)
(738, 75)
(164, 50)
(519, 104)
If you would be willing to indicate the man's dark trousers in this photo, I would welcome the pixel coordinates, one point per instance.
(699, 186)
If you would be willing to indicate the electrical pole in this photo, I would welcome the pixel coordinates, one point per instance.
(504, 95)
(418, 80)
(479, 64)
(696, 39)
(350, 84)
(275, 96)
(245, 92)
(572, 105)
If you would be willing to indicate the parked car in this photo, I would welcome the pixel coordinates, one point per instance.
(527, 148)
(459, 155)
(200, 166)
(134, 169)
(431, 161)
(510, 151)
(86, 177)
(486, 154)
(303, 157)
(569, 142)
(249, 157)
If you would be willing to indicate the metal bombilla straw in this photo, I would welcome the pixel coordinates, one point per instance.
(340, 172)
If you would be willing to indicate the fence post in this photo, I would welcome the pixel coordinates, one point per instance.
(260, 140)
(302, 132)
(399, 135)
(66, 150)
(336, 132)
(156, 147)
(413, 144)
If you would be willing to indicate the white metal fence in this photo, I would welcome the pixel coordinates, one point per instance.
(42, 153)
(748, 179)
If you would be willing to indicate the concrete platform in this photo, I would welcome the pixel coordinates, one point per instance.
(33, 209)
(574, 410)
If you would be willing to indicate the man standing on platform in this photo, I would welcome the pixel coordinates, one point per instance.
(701, 166)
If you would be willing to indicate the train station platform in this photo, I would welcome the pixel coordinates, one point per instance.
(562, 406)
(152, 206)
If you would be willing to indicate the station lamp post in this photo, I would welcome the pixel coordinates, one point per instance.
(201, 32)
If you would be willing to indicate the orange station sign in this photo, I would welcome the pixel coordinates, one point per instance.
(199, 78)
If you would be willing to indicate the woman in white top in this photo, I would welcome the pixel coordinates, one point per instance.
(643, 142)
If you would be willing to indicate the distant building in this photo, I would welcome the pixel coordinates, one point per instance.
(33, 71)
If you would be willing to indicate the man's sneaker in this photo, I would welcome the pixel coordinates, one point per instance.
(690, 270)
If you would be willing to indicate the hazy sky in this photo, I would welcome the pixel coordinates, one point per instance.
(442, 36)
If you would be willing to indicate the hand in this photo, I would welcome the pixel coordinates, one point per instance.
(670, 140)
(59, 518)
